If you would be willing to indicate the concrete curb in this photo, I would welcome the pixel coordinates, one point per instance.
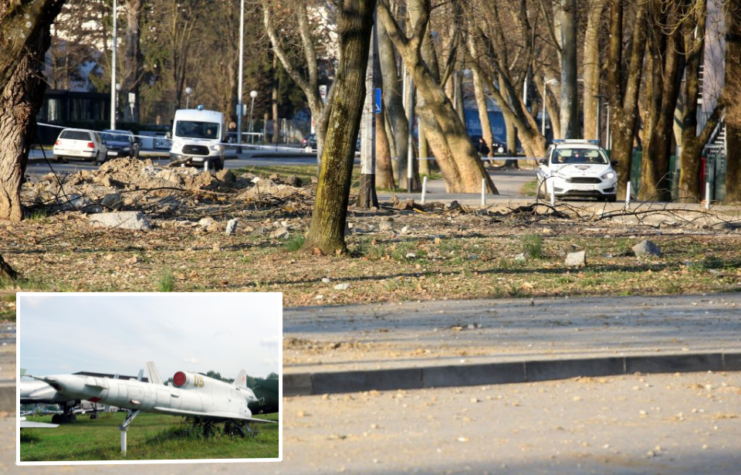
(307, 384)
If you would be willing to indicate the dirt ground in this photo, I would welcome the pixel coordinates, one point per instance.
(397, 252)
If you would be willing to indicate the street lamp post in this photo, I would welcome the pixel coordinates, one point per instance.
(253, 95)
(188, 92)
(240, 106)
(113, 67)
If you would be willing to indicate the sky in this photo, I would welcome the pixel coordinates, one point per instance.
(118, 333)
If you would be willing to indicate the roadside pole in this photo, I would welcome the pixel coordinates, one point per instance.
(367, 196)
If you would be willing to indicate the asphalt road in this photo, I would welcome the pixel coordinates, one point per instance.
(668, 424)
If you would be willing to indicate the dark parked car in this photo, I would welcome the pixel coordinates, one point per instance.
(309, 143)
(120, 143)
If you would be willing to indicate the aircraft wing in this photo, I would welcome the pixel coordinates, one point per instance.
(36, 425)
(221, 415)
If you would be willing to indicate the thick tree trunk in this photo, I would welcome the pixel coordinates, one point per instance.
(592, 68)
(569, 89)
(480, 92)
(655, 178)
(455, 154)
(623, 93)
(733, 82)
(384, 170)
(393, 101)
(21, 91)
(327, 230)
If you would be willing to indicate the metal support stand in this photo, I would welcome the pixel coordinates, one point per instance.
(553, 196)
(125, 426)
(628, 192)
(707, 195)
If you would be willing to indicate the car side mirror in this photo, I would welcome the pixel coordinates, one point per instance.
(542, 161)
(614, 163)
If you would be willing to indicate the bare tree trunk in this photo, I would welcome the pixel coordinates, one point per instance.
(462, 169)
(733, 83)
(6, 271)
(393, 101)
(21, 91)
(623, 91)
(327, 229)
(592, 68)
(692, 144)
(384, 170)
(479, 91)
(569, 89)
(655, 180)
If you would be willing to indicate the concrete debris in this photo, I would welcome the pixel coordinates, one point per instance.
(576, 259)
(520, 257)
(386, 224)
(647, 248)
(225, 175)
(134, 220)
(112, 201)
(343, 286)
(231, 227)
(280, 233)
(206, 222)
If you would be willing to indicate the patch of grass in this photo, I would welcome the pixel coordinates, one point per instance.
(151, 437)
(166, 282)
(530, 188)
(295, 242)
(533, 246)
(37, 215)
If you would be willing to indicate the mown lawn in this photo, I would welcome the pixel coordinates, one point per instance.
(150, 437)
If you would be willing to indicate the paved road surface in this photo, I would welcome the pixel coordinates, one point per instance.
(412, 334)
(668, 424)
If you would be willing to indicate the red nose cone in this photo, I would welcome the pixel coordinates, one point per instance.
(179, 378)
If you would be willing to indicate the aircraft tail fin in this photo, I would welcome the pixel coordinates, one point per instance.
(154, 376)
(241, 380)
(23, 372)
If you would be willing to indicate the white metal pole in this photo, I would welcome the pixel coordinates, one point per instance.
(553, 195)
(410, 143)
(628, 192)
(483, 192)
(240, 106)
(424, 189)
(123, 442)
(545, 108)
(113, 66)
(707, 194)
(252, 110)
(524, 92)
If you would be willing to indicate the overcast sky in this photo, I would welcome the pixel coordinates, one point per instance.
(116, 333)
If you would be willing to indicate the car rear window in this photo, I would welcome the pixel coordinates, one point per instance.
(75, 135)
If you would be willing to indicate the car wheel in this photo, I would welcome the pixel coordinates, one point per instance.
(611, 198)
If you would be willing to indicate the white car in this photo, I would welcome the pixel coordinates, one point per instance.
(577, 169)
(80, 144)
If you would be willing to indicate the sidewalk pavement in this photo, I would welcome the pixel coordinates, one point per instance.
(415, 345)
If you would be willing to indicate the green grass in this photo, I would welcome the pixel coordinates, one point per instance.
(533, 246)
(166, 282)
(150, 437)
(530, 189)
(295, 242)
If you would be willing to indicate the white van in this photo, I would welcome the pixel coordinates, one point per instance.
(197, 135)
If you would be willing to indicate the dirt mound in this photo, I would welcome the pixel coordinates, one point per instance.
(144, 185)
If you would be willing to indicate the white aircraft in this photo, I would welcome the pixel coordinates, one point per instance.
(39, 392)
(205, 399)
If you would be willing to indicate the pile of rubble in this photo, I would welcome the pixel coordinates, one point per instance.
(141, 185)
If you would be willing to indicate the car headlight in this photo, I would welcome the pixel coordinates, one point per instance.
(217, 148)
(608, 176)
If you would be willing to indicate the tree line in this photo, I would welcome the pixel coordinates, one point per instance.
(639, 65)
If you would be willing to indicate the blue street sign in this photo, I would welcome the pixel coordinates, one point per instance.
(379, 101)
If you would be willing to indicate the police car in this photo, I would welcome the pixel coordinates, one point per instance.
(577, 169)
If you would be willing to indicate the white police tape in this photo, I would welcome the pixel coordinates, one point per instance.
(165, 139)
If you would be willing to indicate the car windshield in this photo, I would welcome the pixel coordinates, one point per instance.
(579, 156)
(197, 130)
(115, 137)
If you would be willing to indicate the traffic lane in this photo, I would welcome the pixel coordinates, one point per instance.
(678, 424)
(38, 168)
